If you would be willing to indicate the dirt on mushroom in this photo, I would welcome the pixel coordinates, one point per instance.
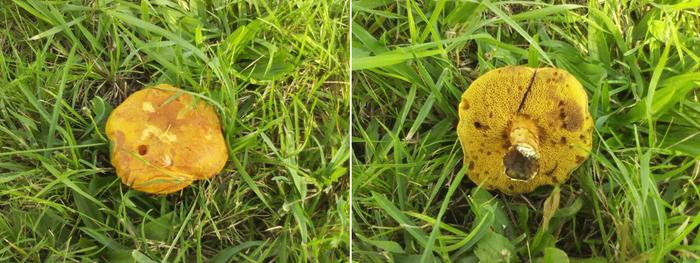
(164, 139)
(534, 123)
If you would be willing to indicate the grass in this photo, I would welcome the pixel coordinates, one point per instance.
(636, 198)
(277, 73)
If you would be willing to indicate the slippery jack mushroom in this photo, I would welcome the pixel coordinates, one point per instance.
(521, 128)
(162, 140)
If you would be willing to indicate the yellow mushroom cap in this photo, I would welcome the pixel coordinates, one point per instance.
(163, 139)
(521, 128)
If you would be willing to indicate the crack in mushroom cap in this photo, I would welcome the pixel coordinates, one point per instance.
(163, 139)
(547, 102)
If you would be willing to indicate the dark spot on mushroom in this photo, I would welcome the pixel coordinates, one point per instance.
(511, 187)
(550, 173)
(143, 149)
(480, 126)
(464, 105)
(582, 137)
(490, 114)
(561, 103)
(579, 159)
(488, 152)
(563, 140)
(471, 165)
(555, 179)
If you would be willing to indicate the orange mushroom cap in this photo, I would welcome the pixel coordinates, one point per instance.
(163, 140)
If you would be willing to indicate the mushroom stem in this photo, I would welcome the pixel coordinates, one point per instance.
(521, 161)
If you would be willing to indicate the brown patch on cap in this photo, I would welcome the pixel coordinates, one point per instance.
(571, 117)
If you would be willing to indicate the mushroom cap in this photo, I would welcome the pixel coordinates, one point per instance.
(163, 139)
(544, 110)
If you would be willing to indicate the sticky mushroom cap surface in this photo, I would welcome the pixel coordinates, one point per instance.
(521, 128)
(163, 139)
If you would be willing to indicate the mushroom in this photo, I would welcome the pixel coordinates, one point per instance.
(162, 140)
(521, 128)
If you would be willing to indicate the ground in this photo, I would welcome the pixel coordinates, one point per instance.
(277, 74)
(635, 199)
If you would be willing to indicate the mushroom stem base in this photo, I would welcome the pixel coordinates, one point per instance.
(521, 161)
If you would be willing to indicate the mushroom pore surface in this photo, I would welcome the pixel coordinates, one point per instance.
(521, 128)
(163, 139)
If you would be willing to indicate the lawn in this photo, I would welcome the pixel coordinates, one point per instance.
(275, 71)
(635, 199)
